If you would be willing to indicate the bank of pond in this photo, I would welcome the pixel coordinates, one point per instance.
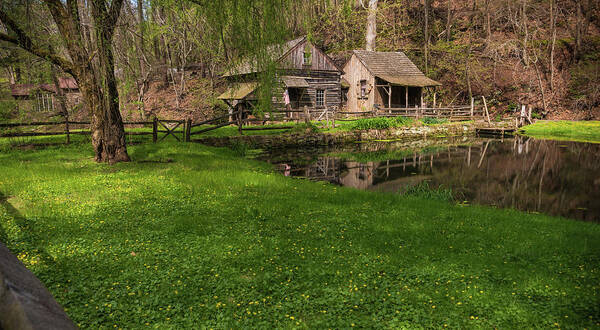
(191, 236)
(551, 177)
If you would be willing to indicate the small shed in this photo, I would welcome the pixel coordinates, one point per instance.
(42, 96)
(385, 79)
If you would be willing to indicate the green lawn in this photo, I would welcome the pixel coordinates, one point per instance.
(582, 131)
(188, 236)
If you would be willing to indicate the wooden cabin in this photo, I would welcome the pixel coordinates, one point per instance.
(383, 80)
(310, 77)
(41, 97)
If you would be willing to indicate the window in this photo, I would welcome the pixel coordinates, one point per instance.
(363, 89)
(307, 60)
(320, 97)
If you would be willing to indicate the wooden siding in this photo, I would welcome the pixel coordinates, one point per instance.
(295, 59)
(355, 71)
(328, 81)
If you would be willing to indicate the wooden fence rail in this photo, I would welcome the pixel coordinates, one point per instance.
(68, 130)
(242, 117)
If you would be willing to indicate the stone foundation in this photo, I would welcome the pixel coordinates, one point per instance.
(324, 139)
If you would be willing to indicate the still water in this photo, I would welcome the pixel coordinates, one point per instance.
(551, 177)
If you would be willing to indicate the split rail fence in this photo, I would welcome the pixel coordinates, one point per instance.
(166, 127)
(184, 130)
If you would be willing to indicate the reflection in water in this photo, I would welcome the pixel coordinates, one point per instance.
(559, 178)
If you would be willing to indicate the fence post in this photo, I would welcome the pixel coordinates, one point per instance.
(306, 115)
(239, 120)
(154, 129)
(486, 110)
(472, 106)
(188, 130)
(333, 114)
(67, 128)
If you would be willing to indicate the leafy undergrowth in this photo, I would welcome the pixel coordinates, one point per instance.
(582, 131)
(423, 190)
(434, 121)
(188, 236)
(381, 123)
(384, 154)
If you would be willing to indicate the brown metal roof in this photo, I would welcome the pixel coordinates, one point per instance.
(27, 89)
(21, 90)
(394, 67)
(67, 83)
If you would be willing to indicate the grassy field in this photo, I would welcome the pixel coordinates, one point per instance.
(188, 236)
(582, 131)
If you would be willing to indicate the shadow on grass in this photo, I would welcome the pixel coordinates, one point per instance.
(30, 242)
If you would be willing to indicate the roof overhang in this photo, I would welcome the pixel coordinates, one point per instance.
(239, 91)
(411, 81)
(296, 82)
(344, 83)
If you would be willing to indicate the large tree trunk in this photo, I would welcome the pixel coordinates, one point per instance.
(448, 22)
(525, 32)
(488, 24)
(108, 133)
(553, 44)
(371, 26)
(92, 68)
(426, 34)
(142, 79)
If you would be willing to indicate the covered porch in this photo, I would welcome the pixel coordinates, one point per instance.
(240, 96)
(397, 92)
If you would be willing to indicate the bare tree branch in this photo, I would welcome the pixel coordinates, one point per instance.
(24, 41)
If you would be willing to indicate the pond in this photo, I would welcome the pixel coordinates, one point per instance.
(551, 177)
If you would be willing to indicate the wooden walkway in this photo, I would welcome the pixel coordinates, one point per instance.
(495, 131)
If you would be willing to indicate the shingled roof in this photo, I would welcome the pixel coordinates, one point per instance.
(395, 68)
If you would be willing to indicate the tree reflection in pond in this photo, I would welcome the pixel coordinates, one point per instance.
(552, 177)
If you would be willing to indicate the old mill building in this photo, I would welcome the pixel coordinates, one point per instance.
(310, 77)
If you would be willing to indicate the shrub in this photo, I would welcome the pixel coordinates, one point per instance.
(6, 109)
(423, 190)
(433, 121)
(304, 127)
(380, 123)
(240, 148)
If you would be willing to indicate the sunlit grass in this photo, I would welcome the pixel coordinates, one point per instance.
(188, 236)
(581, 131)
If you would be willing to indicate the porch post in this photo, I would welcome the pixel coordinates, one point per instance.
(421, 98)
(434, 94)
(406, 90)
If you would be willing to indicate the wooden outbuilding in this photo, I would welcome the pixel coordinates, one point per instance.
(42, 96)
(384, 80)
(308, 75)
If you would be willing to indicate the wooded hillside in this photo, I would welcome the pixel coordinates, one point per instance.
(169, 54)
(544, 53)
